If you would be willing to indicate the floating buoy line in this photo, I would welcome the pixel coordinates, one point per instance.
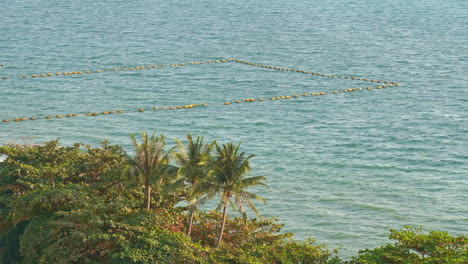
(382, 84)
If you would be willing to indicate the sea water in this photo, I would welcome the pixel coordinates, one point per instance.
(342, 168)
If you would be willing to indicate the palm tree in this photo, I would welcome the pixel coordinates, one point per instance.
(227, 178)
(151, 163)
(192, 171)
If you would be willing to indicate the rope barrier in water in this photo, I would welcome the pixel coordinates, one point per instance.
(89, 114)
(134, 68)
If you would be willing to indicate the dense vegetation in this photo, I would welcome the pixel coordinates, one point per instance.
(80, 204)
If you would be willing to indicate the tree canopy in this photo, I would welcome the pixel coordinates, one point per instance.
(84, 204)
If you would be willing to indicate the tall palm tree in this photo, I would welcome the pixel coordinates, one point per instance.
(150, 164)
(227, 178)
(192, 171)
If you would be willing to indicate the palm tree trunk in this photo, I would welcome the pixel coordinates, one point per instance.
(148, 196)
(190, 225)
(222, 225)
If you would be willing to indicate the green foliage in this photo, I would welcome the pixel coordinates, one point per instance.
(193, 170)
(238, 231)
(413, 246)
(283, 252)
(40, 180)
(151, 168)
(105, 233)
(69, 205)
(227, 178)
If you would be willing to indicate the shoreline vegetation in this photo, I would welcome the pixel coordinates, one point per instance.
(84, 204)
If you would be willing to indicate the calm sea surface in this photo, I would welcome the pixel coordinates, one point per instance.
(342, 168)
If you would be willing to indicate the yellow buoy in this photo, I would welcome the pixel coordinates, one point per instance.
(141, 110)
(227, 103)
(398, 84)
(49, 117)
(179, 107)
(49, 74)
(322, 93)
(32, 118)
(69, 115)
(75, 114)
(24, 77)
(369, 88)
(105, 113)
(261, 99)
(111, 112)
(6, 120)
(155, 108)
(58, 73)
(171, 108)
(296, 95)
(120, 111)
(17, 119)
(59, 116)
(273, 98)
(94, 114)
(238, 101)
(4, 78)
(43, 75)
(335, 92)
(34, 75)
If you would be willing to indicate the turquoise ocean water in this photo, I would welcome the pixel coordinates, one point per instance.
(342, 168)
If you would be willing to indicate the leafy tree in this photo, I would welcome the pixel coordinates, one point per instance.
(193, 170)
(238, 231)
(38, 181)
(227, 178)
(413, 246)
(151, 164)
(110, 228)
